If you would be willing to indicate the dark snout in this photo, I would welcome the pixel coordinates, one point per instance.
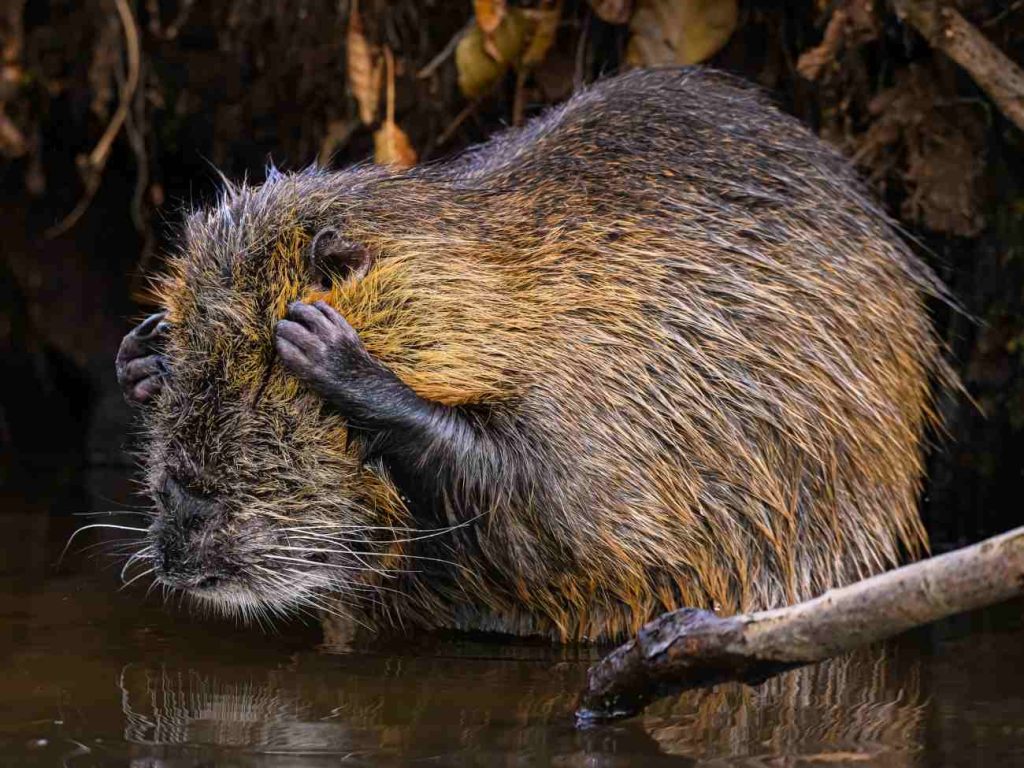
(189, 552)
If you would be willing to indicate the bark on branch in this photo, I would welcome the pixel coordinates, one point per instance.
(948, 31)
(695, 648)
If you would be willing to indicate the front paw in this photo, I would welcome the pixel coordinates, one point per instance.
(319, 346)
(140, 367)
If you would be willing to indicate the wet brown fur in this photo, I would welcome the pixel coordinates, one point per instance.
(705, 351)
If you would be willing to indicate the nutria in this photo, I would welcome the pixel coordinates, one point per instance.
(655, 349)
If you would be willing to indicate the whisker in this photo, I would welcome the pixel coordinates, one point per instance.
(427, 532)
(381, 571)
(356, 556)
(137, 577)
(364, 590)
(334, 611)
(107, 500)
(114, 545)
(140, 555)
(351, 552)
(74, 535)
(113, 512)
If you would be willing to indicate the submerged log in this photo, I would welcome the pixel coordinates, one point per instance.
(695, 648)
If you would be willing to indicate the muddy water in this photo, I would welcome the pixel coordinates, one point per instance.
(93, 676)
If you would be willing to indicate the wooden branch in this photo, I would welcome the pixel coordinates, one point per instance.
(695, 648)
(993, 71)
(91, 166)
(446, 52)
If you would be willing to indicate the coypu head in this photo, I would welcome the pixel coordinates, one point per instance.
(259, 503)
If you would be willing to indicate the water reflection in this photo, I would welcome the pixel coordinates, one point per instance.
(864, 707)
(463, 707)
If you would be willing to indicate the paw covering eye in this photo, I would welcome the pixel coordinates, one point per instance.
(332, 258)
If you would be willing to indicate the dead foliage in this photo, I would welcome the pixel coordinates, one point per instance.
(364, 68)
(391, 145)
(915, 138)
(667, 32)
(936, 149)
(12, 140)
(456, 71)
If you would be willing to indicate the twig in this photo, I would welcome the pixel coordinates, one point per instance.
(519, 102)
(447, 51)
(580, 57)
(389, 69)
(337, 135)
(458, 120)
(1009, 10)
(695, 648)
(12, 140)
(134, 128)
(993, 71)
(92, 165)
(171, 30)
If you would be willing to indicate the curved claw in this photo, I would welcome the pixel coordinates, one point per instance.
(140, 367)
(151, 326)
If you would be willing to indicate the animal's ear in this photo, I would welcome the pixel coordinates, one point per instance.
(332, 258)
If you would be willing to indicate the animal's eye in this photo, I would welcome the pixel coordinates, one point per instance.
(333, 258)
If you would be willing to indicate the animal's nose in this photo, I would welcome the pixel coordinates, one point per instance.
(182, 537)
(187, 508)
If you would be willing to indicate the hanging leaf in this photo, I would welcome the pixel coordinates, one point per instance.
(392, 147)
(364, 68)
(612, 11)
(489, 14)
(666, 32)
(543, 28)
(481, 60)
(390, 144)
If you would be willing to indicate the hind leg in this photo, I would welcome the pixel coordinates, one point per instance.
(141, 367)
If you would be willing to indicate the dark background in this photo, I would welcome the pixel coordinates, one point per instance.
(230, 85)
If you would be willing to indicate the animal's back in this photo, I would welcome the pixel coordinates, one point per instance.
(707, 354)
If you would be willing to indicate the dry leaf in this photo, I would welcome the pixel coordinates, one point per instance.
(477, 68)
(813, 62)
(364, 68)
(390, 144)
(544, 27)
(853, 23)
(489, 14)
(612, 11)
(666, 32)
